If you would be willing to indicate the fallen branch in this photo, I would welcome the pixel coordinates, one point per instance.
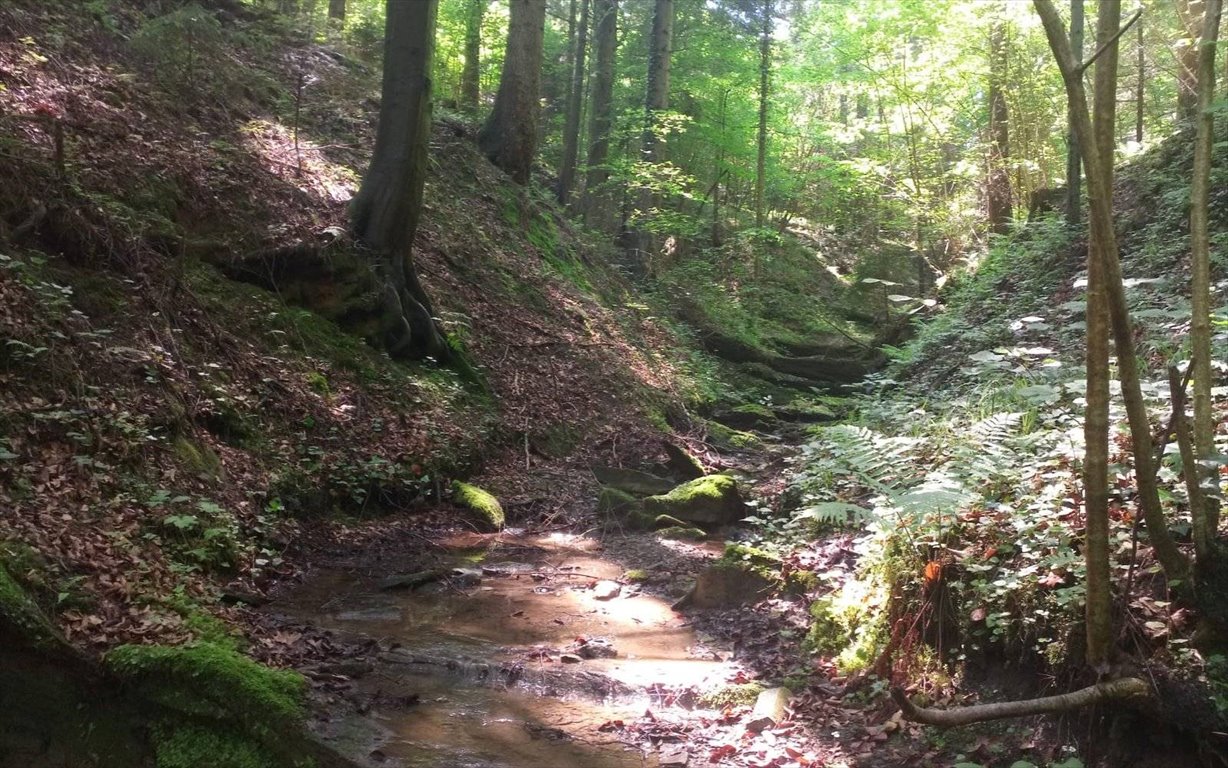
(1124, 688)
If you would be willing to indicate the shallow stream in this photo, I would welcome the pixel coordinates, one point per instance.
(490, 670)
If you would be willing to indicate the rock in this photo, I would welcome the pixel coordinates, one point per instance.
(728, 439)
(482, 505)
(570, 658)
(683, 533)
(351, 669)
(607, 590)
(748, 416)
(596, 648)
(632, 481)
(463, 578)
(673, 754)
(615, 501)
(682, 463)
(804, 413)
(414, 580)
(769, 709)
(708, 501)
(669, 521)
(726, 586)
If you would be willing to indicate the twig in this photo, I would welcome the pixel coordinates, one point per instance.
(1099, 51)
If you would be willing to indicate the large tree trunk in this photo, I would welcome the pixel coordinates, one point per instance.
(1205, 516)
(385, 212)
(765, 74)
(1100, 200)
(575, 100)
(471, 73)
(509, 137)
(336, 9)
(1074, 167)
(998, 197)
(605, 41)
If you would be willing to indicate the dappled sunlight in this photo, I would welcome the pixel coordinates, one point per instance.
(298, 161)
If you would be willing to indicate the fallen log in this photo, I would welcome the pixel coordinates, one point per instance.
(1114, 690)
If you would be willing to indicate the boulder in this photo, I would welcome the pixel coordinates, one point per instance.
(682, 463)
(614, 500)
(708, 501)
(483, 507)
(632, 481)
(748, 416)
(726, 586)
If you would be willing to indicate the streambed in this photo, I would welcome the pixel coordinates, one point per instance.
(504, 664)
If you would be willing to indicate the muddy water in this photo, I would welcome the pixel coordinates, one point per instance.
(482, 660)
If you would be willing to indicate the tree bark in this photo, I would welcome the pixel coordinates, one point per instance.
(605, 42)
(1205, 515)
(385, 212)
(1074, 176)
(509, 137)
(575, 100)
(475, 10)
(765, 74)
(656, 100)
(336, 9)
(1140, 84)
(999, 192)
(1100, 200)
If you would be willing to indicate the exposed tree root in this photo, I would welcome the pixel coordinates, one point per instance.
(1124, 688)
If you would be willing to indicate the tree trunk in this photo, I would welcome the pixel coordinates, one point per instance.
(1187, 59)
(1100, 200)
(1205, 516)
(1074, 176)
(605, 42)
(656, 100)
(999, 193)
(385, 212)
(336, 9)
(509, 137)
(575, 100)
(1140, 85)
(765, 73)
(471, 73)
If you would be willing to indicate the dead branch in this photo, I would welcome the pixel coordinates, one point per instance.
(1114, 690)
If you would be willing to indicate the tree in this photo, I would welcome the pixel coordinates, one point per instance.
(1203, 511)
(336, 10)
(1188, 58)
(999, 192)
(656, 101)
(575, 99)
(509, 137)
(385, 212)
(765, 74)
(1074, 167)
(605, 42)
(475, 10)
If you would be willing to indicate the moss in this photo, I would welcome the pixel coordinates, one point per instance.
(318, 383)
(556, 442)
(614, 500)
(732, 439)
(707, 500)
(686, 533)
(636, 576)
(482, 503)
(801, 582)
(756, 409)
(753, 560)
(194, 746)
(199, 459)
(20, 615)
(206, 680)
(733, 695)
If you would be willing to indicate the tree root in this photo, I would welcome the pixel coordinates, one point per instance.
(1124, 688)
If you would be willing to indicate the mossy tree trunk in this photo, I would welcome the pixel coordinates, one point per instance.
(1074, 166)
(998, 197)
(509, 137)
(656, 101)
(475, 10)
(336, 10)
(385, 213)
(605, 42)
(765, 82)
(575, 100)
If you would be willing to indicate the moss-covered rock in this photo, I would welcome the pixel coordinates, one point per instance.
(753, 560)
(748, 416)
(709, 501)
(683, 533)
(632, 481)
(682, 464)
(612, 500)
(21, 621)
(485, 508)
(731, 695)
(728, 439)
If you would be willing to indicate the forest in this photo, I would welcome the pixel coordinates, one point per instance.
(616, 383)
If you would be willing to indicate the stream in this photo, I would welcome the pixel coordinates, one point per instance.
(504, 663)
